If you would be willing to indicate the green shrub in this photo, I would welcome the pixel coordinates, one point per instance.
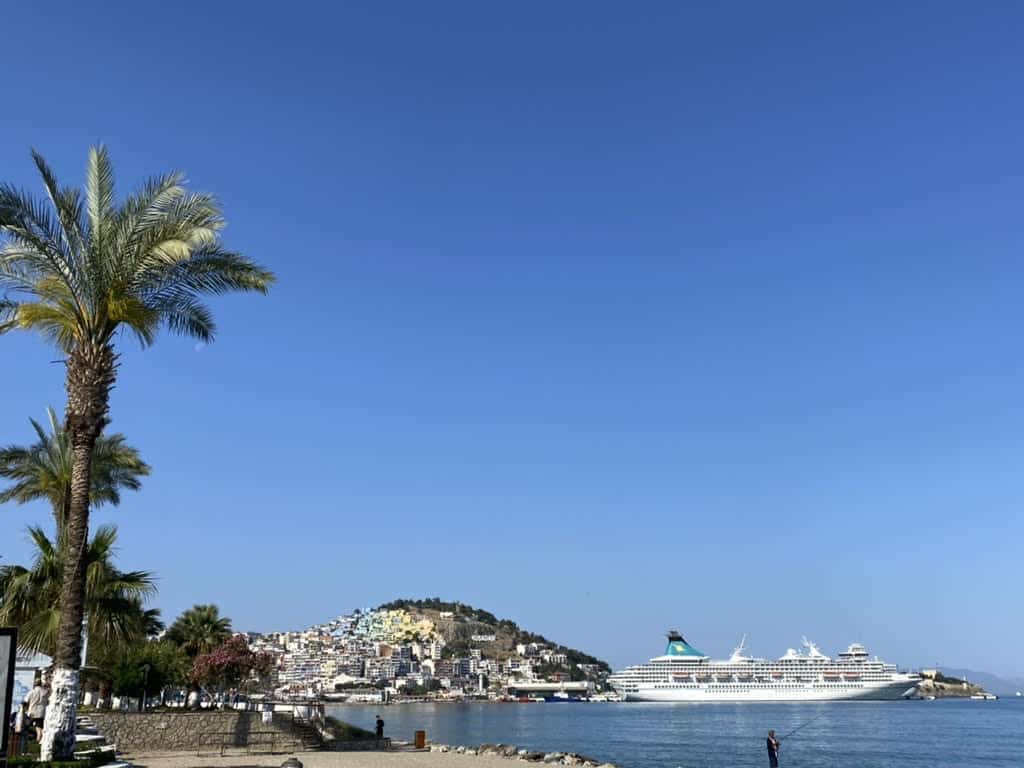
(94, 760)
(339, 730)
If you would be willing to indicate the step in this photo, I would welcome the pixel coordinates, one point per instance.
(109, 750)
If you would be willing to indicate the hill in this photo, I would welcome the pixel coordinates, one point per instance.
(466, 628)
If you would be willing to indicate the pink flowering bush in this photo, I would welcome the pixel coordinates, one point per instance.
(230, 664)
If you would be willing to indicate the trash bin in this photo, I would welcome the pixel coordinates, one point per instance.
(420, 740)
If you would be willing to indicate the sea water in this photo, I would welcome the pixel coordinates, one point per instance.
(899, 734)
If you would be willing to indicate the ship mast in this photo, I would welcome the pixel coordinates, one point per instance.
(737, 652)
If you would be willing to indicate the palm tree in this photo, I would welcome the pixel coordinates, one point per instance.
(43, 470)
(199, 630)
(113, 598)
(78, 268)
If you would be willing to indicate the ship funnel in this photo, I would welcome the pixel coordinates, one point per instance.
(677, 646)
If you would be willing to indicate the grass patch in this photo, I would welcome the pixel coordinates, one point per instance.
(339, 730)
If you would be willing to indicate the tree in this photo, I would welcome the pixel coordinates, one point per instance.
(78, 268)
(147, 668)
(230, 664)
(43, 470)
(113, 598)
(199, 630)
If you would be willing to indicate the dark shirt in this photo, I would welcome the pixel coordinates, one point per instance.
(773, 751)
(380, 728)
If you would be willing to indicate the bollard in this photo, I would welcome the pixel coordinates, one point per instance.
(420, 739)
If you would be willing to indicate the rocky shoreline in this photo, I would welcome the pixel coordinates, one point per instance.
(512, 752)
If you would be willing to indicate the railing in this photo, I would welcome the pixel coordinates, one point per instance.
(263, 742)
(288, 727)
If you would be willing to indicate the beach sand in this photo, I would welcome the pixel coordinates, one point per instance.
(391, 759)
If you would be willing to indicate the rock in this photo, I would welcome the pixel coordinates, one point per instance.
(534, 757)
(487, 749)
(508, 750)
(607, 765)
(553, 757)
(461, 750)
(521, 753)
(470, 751)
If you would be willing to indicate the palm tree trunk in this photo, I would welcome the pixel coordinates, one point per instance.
(62, 520)
(90, 375)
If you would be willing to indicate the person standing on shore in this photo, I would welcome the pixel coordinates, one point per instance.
(773, 750)
(380, 728)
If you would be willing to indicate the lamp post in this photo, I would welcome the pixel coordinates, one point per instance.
(145, 683)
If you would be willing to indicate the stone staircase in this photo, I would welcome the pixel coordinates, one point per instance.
(90, 743)
(308, 735)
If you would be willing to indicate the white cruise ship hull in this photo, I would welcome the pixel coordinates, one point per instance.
(735, 692)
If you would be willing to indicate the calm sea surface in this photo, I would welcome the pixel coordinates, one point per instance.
(907, 734)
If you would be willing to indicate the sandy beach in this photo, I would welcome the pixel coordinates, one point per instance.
(392, 759)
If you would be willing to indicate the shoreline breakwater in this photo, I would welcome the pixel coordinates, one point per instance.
(512, 752)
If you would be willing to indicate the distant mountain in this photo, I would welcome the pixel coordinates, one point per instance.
(1002, 686)
(463, 627)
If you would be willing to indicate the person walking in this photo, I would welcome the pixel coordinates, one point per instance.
(36, 701)
(773, 750)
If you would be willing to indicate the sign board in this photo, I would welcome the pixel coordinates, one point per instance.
(8, 651)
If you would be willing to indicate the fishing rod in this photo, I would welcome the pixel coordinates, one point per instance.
(804, 725)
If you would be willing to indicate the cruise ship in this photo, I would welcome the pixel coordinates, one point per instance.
(683, 673)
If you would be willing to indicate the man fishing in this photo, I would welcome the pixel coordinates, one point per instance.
(773, 750)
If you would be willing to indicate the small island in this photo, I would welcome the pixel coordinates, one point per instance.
(935, 685)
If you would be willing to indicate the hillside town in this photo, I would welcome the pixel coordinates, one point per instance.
(394, 654)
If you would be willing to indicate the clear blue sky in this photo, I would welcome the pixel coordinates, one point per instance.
(608, 319)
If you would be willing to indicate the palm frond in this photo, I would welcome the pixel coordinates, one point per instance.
(82, 267)
(29, 225)
(67, 203)
(42, 470)
(29, 597)
(99, 191)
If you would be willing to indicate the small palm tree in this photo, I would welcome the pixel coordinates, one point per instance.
(113, 598)
(43, 470)
(78, 268)
(199, 630)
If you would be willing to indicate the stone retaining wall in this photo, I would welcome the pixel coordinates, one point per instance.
(195, 731)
